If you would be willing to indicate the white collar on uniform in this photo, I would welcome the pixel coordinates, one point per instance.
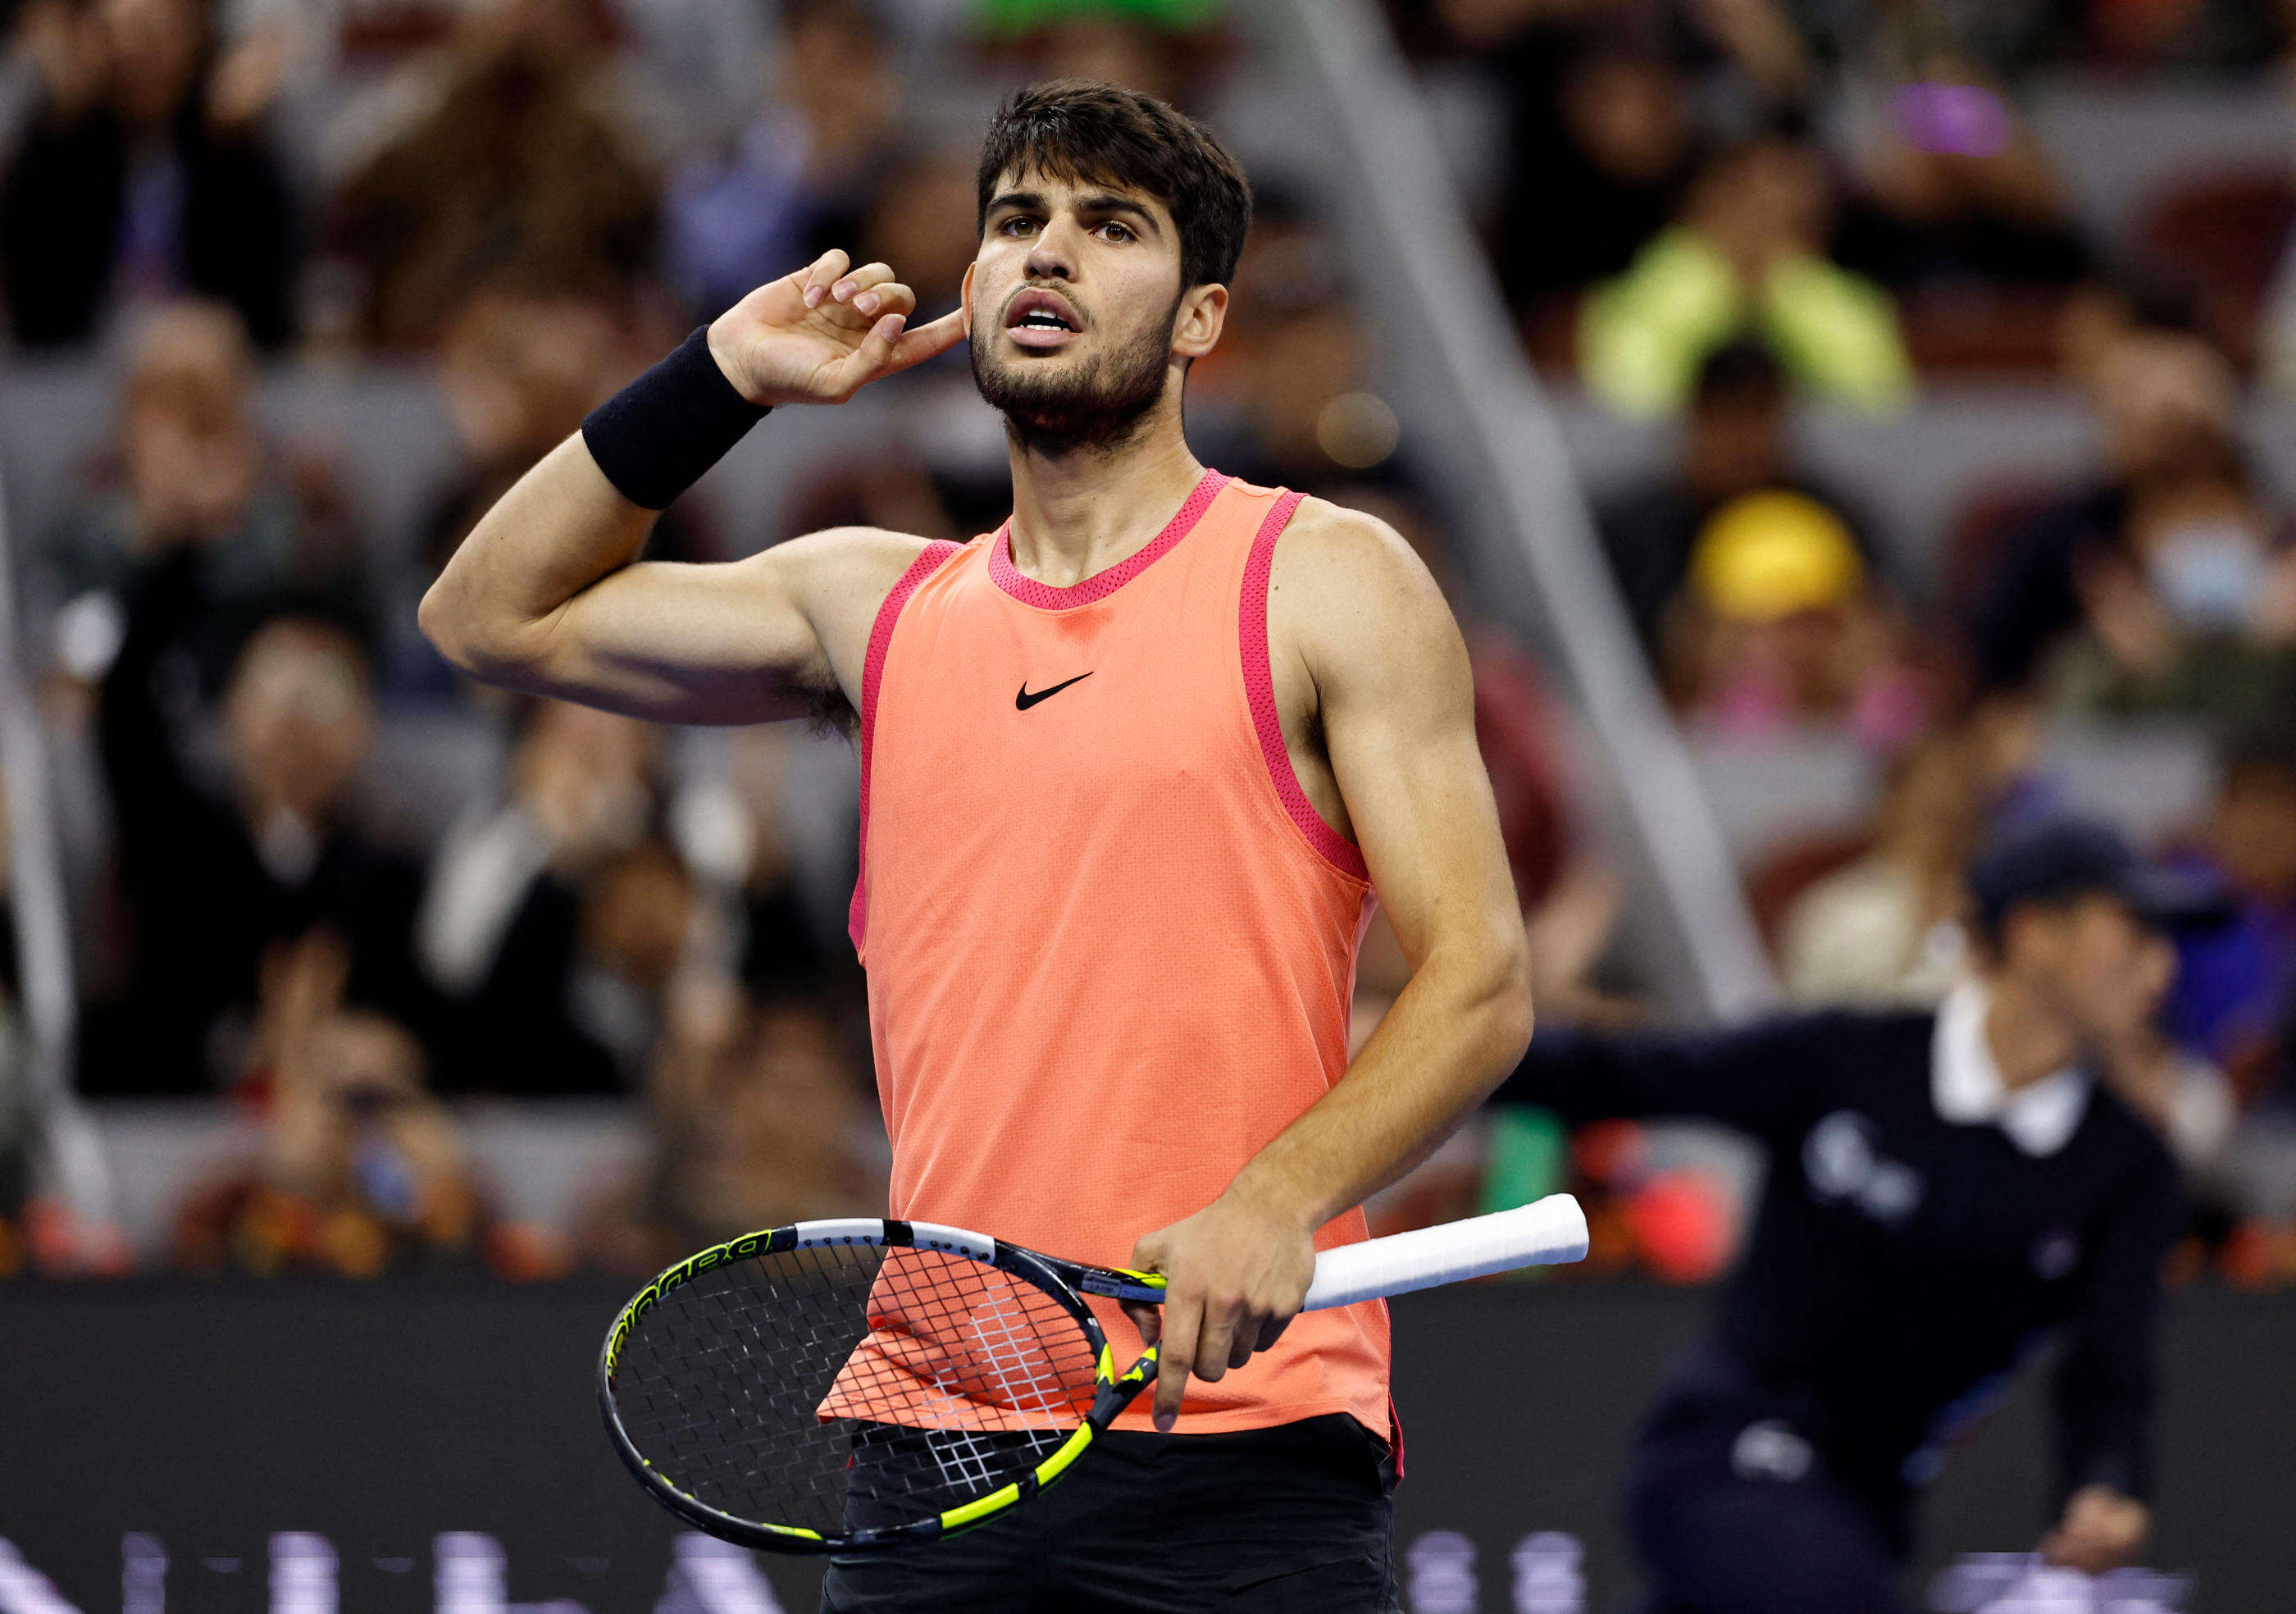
(1965, 1086)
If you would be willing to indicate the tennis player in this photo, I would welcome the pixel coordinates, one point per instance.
(1131, 766)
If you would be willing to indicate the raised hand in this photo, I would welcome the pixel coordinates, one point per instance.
(820, 335)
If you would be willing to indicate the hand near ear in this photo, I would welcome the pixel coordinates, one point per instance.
(820, 335)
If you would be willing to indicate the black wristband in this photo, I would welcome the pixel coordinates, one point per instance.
(656, 436)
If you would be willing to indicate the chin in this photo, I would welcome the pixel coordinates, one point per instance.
(1083, 395)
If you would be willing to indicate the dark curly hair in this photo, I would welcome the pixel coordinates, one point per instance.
(1086, 132)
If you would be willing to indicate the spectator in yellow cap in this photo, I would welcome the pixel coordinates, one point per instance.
(1779, 624)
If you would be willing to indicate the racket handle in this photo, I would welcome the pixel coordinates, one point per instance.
(1548, 1232)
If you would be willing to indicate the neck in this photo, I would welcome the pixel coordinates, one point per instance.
(1080, 511)
(2027, 1041)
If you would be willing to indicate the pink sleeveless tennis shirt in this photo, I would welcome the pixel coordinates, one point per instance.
(1110, 946)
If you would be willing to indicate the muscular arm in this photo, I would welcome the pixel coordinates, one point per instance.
(1394, 701)
(1369, 661)
(547, 594)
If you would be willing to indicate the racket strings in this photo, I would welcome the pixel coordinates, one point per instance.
(851, 1386)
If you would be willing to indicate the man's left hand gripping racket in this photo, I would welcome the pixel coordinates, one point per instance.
(852, 1385)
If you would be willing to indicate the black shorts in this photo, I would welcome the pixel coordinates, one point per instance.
(1293, 1518)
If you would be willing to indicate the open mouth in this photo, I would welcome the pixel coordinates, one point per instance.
(1041, 320)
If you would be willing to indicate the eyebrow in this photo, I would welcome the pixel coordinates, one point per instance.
(1101, 202)
(1104, 201)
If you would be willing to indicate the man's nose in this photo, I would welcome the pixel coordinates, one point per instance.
(1052, 255)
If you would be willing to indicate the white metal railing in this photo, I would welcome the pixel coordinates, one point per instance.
(1477, 414)
(68, 1160)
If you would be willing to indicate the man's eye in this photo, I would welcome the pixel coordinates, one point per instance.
(1017, 225)
(1116, 232)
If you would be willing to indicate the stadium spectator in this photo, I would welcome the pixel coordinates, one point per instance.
(1953, 191)
(1886, 931)
(2160, 37)
(1781, 622)
(189, 468)
(517, 371)
(553, 919)
(738, 834)
(214, 875)
(1733, 441)
(1746, 257)
(2172, 495)
(757, 1120)
(1164, 48)
(799, 178)
(2233, 981)
(2189, 606)
(360, 1170)
(1605, 108)
(145, 173)
(519, 168)
(1600, 133)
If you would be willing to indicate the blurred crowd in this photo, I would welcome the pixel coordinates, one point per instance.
(1724, 217)
(1716, 214)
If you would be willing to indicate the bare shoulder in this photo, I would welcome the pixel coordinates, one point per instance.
(1345, 586)
(838, 579)
(841, 561)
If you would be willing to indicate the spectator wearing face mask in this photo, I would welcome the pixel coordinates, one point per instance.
(2166, 547)
(145, 173)
(2188, 606)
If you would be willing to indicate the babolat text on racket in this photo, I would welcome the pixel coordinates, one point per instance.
(844, 1386)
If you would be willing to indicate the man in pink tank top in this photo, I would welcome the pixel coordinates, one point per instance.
(1132, 766)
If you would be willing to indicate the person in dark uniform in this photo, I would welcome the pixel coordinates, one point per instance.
(1946, 1190)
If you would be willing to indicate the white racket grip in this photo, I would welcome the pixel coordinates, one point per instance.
(1545, 1232)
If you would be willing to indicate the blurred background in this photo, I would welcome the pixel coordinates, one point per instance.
(1846, 428)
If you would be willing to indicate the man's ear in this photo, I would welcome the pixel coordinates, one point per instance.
(965, 298)
(1203, 316)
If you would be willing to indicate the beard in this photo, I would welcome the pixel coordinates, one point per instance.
(1096, 407)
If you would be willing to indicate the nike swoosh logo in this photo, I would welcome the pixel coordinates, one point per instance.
(1024, 699)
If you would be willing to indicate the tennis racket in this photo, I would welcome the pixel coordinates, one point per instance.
(848, 1386)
